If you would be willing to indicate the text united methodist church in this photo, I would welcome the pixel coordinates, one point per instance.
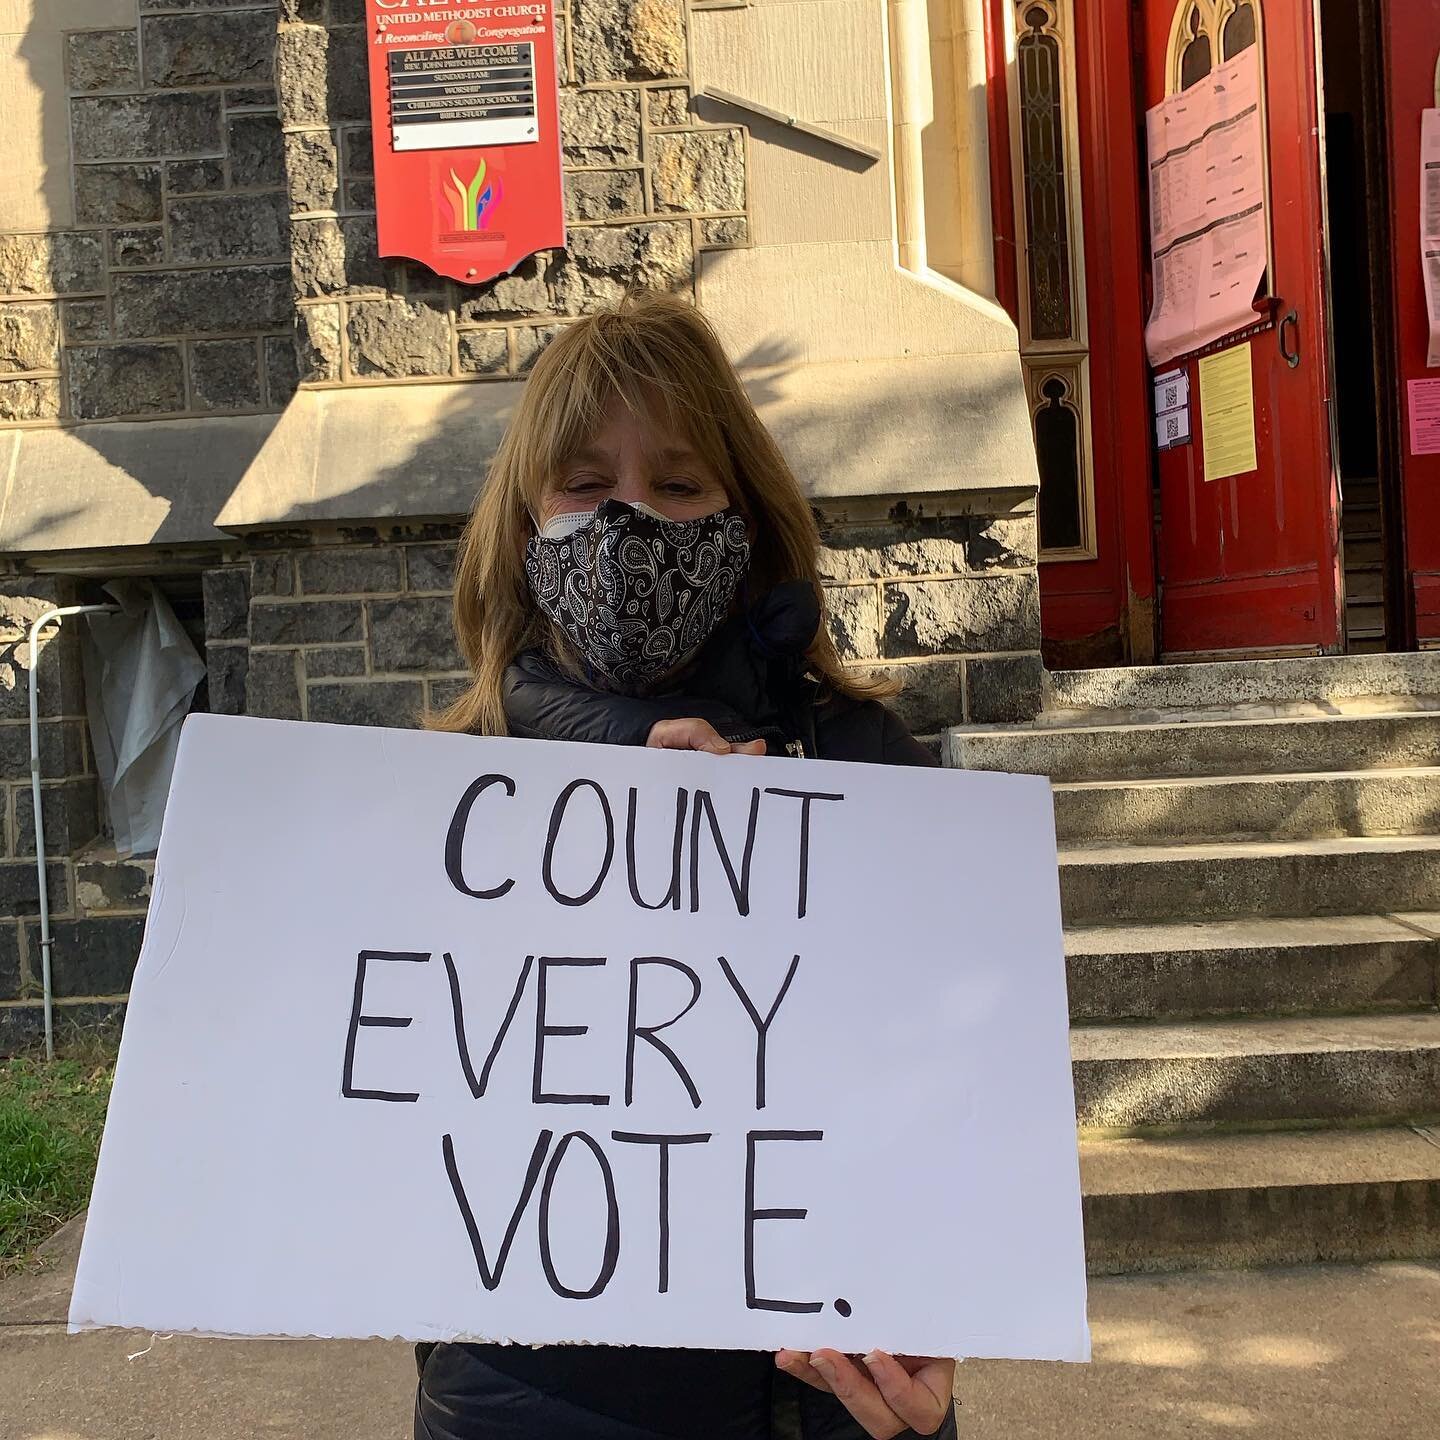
(272, 273)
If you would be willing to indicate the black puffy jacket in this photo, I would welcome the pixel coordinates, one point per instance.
(749, 683)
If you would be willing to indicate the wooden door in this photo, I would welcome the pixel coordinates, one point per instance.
(1250, 563)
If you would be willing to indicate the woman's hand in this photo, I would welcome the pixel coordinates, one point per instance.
(887, 1394)
(697, 734)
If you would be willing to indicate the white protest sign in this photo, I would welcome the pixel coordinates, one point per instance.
(435, 1036)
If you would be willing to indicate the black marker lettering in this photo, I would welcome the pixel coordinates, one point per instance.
(672, 895)
(649, 1032)
(762, 1027)
(386, 1022)
(544, 1031)
(629, 1137)
(740, 887)
(804, 797)
(557, 818)
(612, 1220)
(477, 1087)
(455, 838)
(754, 1301)
(488, 1278)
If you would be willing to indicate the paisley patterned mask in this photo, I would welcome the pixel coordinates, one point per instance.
(636, 594)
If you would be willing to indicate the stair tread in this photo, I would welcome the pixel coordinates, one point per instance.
(1152, 854)
(1252, 934)
(1308, 777)
(1219, 717)
(1167, 1164)
(1228, 1039)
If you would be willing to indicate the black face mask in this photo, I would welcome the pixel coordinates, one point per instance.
(638, 595)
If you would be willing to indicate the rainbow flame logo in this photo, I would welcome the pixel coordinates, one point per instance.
(473, 206)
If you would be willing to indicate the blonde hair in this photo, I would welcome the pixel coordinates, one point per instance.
(659, 355)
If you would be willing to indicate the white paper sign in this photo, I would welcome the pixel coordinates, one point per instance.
(414, 1012)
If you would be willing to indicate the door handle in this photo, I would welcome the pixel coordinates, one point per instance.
(1291, 357)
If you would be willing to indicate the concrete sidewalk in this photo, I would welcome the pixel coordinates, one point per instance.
(1285, 1355)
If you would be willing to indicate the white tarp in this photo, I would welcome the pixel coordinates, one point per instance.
(436, 1036)
(140, 675)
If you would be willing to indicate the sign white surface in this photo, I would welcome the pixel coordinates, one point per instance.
(387, 1071)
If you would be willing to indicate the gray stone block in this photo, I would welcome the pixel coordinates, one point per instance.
(668, 106)
(282, 370)
(930, 696)
(444, 692)
(627, 40)
(69, 262)
(93, 956)
(114, 380)
(1002, 689)
(72, 817)
(359, 149)
(209, 49)
(315, 622)
(601, 263)
(303, 12)
(136, 248)
(484, 352)
(853, 614)
(29, 337)
(61, 692)
(117, 194)
(20, 887)
(522, 292)
(698, 170)
(333, 257)
(394, 703)
(360, 195)
(603, 194)
(890, 549)
(251, 97)
(530, 340)
(226, 669)
(136, 127)
(225, 375)
(103, 60)
(193, 177)
(334, 662)
(313, 167)
(725, 232)
(257, 152)
(272, 688)
(600, 127)
(413, 634)
(347, 12)
(229, 227)
(302, 67)
(188, 302)
(30, 400)
(21, 1026)
(318, 343)
(327, 571)
(86, 320)
(430, 567)
(1003, 542)
(226, 595)
(933, 617)
(9, 962)
(349, 76)
(119, 883)
(272, 573)
(395, 338)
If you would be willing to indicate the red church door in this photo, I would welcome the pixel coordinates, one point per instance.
(1250, 562)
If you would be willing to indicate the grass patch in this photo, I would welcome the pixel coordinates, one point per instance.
(51, 1116)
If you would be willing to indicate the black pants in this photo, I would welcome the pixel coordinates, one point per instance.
(492, 1392)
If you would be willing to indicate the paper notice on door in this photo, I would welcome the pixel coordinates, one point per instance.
(1430, 225)
(1227, 413)
(1425, 417)
(1207, 209)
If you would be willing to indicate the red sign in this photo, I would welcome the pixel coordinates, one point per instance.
(465, 110)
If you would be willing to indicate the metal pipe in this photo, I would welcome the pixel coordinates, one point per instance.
(56, 613)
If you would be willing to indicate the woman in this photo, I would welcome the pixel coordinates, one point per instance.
(641, 570)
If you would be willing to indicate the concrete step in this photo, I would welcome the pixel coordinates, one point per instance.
(1158, 883)
(1350, 1068)
(1275, 807)
(1288, 745)
(1324, 680)
(1342, 963)
(1281, 1198)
